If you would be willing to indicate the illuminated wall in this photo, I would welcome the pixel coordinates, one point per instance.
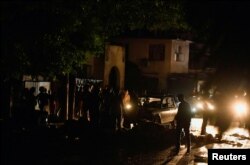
(114, 64)
(157, 58)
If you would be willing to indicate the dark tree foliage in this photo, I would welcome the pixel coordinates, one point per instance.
(43, 38)
(53, 38)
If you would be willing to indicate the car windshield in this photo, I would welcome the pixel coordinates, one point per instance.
(154, 102)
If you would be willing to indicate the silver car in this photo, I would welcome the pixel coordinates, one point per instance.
(159, 109)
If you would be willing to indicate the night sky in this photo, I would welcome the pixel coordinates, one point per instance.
(229, 30)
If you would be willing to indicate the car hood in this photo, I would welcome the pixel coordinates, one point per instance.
(158, 110)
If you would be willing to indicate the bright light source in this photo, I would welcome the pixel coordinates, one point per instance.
(131, 125)
(210, 106)
(240, 108)
(199, 105)
(128, 106)
(194, 109)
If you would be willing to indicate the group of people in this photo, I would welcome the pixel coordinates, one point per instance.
(42, 99)
(26, 113)
(106, 107)
(103, 107)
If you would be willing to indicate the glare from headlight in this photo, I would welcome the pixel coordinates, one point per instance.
(194, 109)
(240, 108)
(128, 106)
(199, 105)
(210, 106)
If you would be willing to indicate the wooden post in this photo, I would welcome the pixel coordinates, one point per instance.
(67, 97)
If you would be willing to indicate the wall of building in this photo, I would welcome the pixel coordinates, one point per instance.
(114, 58)
(139, 53)
(179, 56)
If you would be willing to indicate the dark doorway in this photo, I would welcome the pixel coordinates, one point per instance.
(114, 78)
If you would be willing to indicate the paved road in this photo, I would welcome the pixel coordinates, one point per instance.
(234, 137)
(146, 144)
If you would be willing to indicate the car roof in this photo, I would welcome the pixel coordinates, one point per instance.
(159, 95)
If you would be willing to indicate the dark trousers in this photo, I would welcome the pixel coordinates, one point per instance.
(204, 124)
(186, 127)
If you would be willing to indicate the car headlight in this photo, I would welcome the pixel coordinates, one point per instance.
(128, 106)
(210, 106)
(199, 105)
(194, 109)
(240, 108)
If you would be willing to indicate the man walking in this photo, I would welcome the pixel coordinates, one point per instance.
(183, 121)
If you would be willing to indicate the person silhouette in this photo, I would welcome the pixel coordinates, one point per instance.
(31, 104)
(43, 98)
(205, 114)
(183, 121)
(43, 102)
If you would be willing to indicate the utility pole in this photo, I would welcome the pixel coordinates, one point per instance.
(67, 97)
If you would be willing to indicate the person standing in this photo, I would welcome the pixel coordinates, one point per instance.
(94, 108)
(116, 109)
(31, 104)
(205, 114)
(125, 96)
(43, 99)
(43, 102)
(223, 115)
(183, 121)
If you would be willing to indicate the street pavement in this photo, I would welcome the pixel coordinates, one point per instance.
(145, 144)
(234, 138)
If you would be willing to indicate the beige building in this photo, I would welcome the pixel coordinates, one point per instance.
(158, 58)
(114, 66)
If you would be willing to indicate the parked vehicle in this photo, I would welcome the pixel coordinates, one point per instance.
(159, 109)
(200, 105)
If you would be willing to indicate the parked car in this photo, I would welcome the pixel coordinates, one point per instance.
(159, 109)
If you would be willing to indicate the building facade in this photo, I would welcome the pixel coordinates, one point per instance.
(157, 58)
(159, 61)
